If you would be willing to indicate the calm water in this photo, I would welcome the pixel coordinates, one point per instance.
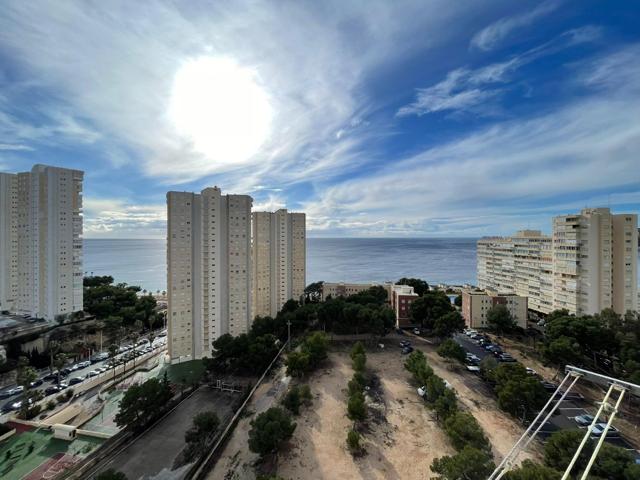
(446, 260)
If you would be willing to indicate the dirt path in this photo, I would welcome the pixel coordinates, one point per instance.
(402, 447)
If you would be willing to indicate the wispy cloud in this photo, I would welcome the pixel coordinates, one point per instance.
(491, 36)
(117, 71)
(467, 89)
(506, 175)
(14, 147)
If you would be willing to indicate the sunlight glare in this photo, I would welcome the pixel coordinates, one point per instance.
(221, 109)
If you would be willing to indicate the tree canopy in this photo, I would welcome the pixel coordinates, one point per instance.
(419, 286)
(500, 320)
(269, 430)
(142, 403)
(426, 309)
(468, 464)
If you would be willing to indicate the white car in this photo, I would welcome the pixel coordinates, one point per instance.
(598, 429)
(422, 391)
(416, 331)
(16, 390)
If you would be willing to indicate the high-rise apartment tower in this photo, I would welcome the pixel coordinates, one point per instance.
(209, 270)
(279, 259)
(41, 242)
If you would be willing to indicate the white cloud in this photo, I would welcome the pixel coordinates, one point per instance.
(489, 180)
(468, 90)
(491, 36)
(15, 147)
(107, 217)
(117, 70)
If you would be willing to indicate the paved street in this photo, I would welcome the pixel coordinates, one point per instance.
(82, 372)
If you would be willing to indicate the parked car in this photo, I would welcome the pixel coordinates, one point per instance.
(63, 385)
(51, 376)
(36, 383)
(422, 391)
(407, 350)
(598, 430)
(51, 390)
(541, 323)
(92, 373)
(506, 358)
(85, 364)
(416, 331)
(531, 371)
(584, 420)
(76, 380)
(404, 343)
(16, 390)
(548, 386)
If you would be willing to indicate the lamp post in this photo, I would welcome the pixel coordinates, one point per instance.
(289, 334)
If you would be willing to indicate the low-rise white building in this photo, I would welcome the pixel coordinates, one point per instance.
(477, 303)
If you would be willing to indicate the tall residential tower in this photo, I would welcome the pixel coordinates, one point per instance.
(41, 242)
(209, 270)
(279, 260)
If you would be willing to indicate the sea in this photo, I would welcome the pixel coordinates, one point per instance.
(436, 260)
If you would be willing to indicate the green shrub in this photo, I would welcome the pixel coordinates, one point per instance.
(463, 430)
(353, 442)
(356, 408)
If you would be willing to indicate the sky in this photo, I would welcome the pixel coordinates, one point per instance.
(376, 118)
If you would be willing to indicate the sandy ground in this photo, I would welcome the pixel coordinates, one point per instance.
(402, 444)
(401, 447)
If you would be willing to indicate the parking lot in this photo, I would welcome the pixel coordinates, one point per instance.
(564, 417)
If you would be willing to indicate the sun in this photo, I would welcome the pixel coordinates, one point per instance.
(219, 106)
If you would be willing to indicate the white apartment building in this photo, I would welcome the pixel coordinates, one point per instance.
(589, 263)
(208, 270)
(476, 305)
(41, 242)
(595, 262)
(279, 260)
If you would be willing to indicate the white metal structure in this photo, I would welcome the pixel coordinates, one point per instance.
(575, 373)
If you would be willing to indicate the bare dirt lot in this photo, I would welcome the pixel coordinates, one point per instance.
(401, 442)
(401, 447)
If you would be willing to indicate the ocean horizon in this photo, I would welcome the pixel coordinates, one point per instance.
(437, 260)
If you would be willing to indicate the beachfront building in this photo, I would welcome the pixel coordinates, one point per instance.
(278, 247)
(588, 264)
(477, 303)
(41, 242)
(208, 270)
(595, 261)
(401, 297)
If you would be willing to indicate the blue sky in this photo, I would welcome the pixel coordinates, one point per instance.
(409, 118)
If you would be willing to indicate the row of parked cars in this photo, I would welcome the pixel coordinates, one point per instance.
(484, 342)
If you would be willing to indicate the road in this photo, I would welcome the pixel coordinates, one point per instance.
(82, 372)
(565, 414)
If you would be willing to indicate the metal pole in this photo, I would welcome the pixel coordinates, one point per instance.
(504, 461)
(587, 434)
(509, 463)
(289, 335)
(602, 436)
